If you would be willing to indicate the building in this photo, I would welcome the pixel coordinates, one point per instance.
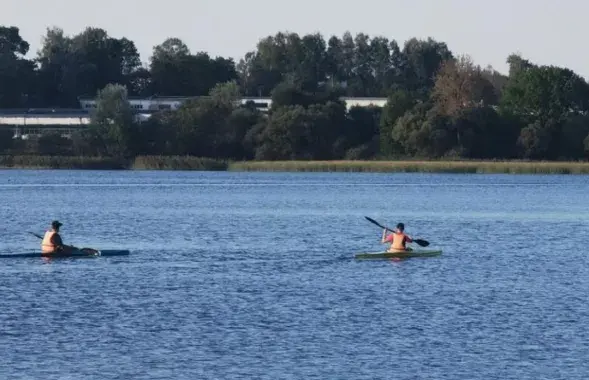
(172, 103)
(28, 122)
(142, 104)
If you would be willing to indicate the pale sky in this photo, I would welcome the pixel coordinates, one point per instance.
(545, 32)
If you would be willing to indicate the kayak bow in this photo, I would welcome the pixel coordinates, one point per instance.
(400, 255)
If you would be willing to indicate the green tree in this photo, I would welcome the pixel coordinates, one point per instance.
(177, 72)
(359, 139)
(480, 132)
(574, 131)
(58, 68)
(364, 66)
(233, 123)
(54, 144)
(422, 60)
(296, 132)
(210, 127)
(113, 121)
(290, 94)
(6, 140)
(545, 92)
(227, 94)
(16, 72)
(255, 78)
(398, 103)
(423, 132)
(284, 135)
(535, 139)
(340, 60)
(545, 99)
(517, 64)
(83, 64)
(284, 57)
(497, 80)
(239, 124)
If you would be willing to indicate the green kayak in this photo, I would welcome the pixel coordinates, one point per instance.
(400, 255)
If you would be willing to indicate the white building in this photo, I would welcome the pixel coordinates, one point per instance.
(142, 104)
(27, 122)
(172, 103)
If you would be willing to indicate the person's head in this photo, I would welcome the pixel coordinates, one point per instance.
(400, 227)
(55, 225)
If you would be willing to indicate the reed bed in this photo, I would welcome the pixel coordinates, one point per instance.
(488, 167)
(178, 163)
(63, 162)
(112, 163)
(209, 164)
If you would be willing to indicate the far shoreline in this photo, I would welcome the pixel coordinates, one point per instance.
(189, 163)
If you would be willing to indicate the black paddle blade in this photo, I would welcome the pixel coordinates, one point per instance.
(372, 221)
(38, 236)
(421, 242)
(377, 223)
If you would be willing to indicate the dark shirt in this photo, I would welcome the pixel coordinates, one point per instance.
(56, 240)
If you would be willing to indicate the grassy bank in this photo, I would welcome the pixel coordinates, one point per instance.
(506, 167)
(110, 163)
(177, 163)
(197, 163)
(63, 162)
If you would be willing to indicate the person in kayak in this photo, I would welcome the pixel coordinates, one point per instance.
(398, 239)
(52, 242)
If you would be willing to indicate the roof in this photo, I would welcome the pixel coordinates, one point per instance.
(153, 97)
(45, 112)
(57, 112)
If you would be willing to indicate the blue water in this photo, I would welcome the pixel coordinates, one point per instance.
(252, 276)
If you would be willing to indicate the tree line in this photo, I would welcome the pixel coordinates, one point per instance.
(440, 105)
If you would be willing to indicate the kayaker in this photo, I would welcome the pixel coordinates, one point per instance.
(52, 242)
(398, 239)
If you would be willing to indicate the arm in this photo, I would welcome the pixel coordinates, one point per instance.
(385, 239)
(57, 242)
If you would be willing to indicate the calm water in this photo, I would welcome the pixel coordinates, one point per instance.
(252, 276)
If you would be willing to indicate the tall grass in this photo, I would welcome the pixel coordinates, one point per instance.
(490, 167)
(112, 163)
(63, 162)
(177, 163)
(202, 164)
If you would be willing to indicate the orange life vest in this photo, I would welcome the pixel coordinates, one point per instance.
(399, 241)
(46, 245)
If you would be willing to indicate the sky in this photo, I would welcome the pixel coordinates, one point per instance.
(542, 31)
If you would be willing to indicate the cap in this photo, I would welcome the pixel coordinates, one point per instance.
(56, 224)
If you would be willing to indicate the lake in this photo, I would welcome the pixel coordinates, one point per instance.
(252, 275)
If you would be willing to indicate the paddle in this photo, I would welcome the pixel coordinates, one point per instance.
(34, 234)
(420, 242)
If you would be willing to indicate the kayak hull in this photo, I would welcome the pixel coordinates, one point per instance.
(399, 255)
(89, 253)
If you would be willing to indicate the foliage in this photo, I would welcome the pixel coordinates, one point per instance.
(438, 104)
(113, 125)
